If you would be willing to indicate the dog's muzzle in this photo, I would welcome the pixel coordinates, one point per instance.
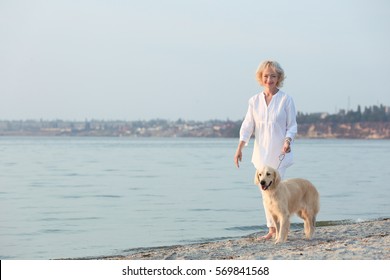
(265, 187)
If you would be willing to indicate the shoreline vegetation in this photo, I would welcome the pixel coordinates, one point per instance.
(371, 123)
(366, 240)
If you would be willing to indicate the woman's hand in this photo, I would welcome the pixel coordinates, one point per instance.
(287, 146)
(238, 155)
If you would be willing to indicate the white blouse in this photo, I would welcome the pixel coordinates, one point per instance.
(271, 124)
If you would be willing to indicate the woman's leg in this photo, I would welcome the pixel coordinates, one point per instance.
(270, 224)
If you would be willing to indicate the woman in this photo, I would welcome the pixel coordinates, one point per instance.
(271, 116)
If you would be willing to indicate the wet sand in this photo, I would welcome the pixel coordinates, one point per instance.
(356, 241)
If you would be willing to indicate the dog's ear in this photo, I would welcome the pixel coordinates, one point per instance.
(277, 178)
(257, 182)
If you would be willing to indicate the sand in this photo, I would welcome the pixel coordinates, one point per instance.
(354, 241)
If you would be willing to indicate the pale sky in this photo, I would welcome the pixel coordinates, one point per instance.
(194, 59)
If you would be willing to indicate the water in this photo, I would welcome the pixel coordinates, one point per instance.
(80, 197)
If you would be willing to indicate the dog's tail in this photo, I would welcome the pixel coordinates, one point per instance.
(314, 222)
(316, 206)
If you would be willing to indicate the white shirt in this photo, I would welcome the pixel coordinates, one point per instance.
(271, 124)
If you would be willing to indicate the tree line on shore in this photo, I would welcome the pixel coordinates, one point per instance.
(374, 113)
(372, 122)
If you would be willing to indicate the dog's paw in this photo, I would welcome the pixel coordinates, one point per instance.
(279, 241)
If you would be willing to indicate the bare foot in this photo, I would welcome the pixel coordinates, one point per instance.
(268, 235)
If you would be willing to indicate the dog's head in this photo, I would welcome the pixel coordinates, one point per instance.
(267, 178)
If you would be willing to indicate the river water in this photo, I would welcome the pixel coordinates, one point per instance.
(80, 197)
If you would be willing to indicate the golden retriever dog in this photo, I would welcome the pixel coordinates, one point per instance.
(284, 198)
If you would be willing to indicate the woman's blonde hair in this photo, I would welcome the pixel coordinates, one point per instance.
(274, 66)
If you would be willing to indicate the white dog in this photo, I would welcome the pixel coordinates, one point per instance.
(282, 199)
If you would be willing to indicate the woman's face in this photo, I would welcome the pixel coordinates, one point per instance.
(270, 78)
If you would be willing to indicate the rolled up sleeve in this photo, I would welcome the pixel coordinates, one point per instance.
(292, 126)
(247, 125)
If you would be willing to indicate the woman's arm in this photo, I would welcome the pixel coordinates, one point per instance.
(246, 132)
(291, 125)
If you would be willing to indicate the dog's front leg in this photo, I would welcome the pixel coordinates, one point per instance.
(277, 226)
(284, 228)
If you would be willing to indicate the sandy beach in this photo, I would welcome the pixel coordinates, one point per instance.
(355, 241)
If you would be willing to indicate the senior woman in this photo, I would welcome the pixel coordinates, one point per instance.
(271, 116)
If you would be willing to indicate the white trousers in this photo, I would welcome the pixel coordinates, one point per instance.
(268, 217)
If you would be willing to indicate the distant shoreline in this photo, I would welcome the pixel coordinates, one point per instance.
(186, 129)
(369, 240)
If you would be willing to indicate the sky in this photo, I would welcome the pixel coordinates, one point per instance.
(194, 59)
